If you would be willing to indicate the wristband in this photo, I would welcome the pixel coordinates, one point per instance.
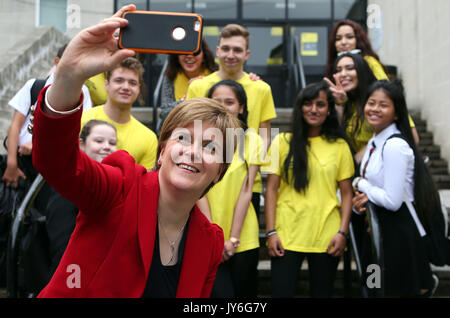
(270, 233)
(355, 183)
(341, 103)
(68, 112)
(344, 234)
(236, 242)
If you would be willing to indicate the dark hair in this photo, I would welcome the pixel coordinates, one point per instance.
(362, 43)
(297, 157)
(174, 66)
(241, 97)
(86, 130)
(61, 50)
(359, 94)
(425, 192)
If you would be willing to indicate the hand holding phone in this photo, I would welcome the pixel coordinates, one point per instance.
(161, 32)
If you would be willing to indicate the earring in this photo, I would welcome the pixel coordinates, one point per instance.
(159, 161)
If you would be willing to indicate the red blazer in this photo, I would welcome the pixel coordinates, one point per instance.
(112, 244)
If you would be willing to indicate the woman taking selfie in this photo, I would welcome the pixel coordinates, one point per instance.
(139, 233)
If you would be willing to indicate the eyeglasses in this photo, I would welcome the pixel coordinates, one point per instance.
(357, 51)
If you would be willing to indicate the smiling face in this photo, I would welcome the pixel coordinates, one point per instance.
(123, 87)
(345, 39)
(346, 74)
(191, 65)
(101, 142)
(191, 160)
(226, 96)
(232, 53)
(379, 111)
(315, 112)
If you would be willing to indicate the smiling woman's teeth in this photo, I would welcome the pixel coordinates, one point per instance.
(188, 168)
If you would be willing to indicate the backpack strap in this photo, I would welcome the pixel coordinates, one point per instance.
(38, 85)
(392, 136)
(35, 89)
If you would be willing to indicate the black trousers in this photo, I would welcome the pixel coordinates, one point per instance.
(237, 277)
(285, 274)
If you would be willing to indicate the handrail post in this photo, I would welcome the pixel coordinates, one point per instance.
(377, 244)
(156, 94)
(13, 245)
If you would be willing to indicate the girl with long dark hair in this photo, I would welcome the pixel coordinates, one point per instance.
(302, 209)
(393, 172)
(349, 36)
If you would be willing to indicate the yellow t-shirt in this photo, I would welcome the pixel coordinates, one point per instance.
(134, 137)
(223, 196)
(260, 103)
(96, 86)
(307, 221)
(181, 83)
(376, 67)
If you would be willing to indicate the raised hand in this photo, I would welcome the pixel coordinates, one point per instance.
(92, 51)
(339, 94)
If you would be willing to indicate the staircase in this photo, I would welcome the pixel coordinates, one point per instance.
(438, 168)
(30, 57)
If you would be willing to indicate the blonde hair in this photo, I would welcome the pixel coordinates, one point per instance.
(235, 30)
(205, 110)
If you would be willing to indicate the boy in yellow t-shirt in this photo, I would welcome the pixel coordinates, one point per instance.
(232, 52)
(123, 85)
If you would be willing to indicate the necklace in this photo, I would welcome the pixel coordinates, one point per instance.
(171, 243)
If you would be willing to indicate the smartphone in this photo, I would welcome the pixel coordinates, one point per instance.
(162, 32)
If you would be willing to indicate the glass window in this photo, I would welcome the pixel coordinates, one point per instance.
(171, 5)
(309, 9)
(312, 43)
(266, 46)
(53, 13)
(140, 4)
(349, 9)
(216, 9)
(263, 9)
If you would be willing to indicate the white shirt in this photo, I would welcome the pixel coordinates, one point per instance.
(388, 177)
(22, 100)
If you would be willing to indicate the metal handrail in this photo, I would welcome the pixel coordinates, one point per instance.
(13, 243)
(299, 69)
(157, 93)
(377, 243)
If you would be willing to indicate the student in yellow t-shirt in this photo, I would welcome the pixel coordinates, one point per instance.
(232, 52)
(349, 36)
(307, 167)
(181, 70)
(353, 78)
(228, 203)
(123, 85)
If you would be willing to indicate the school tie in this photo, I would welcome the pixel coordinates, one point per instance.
(367, 162)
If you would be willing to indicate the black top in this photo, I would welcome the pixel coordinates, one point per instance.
(162, 280)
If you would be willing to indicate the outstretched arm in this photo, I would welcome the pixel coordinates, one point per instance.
(92, 51)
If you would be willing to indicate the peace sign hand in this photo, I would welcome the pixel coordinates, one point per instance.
(339, 94)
